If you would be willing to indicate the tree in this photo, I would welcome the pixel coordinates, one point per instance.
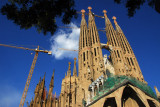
(133, 5)
(39, 13)
(42, 14)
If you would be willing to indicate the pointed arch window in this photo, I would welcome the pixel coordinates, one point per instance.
(83, 56)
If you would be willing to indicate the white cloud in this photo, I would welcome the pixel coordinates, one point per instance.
(9, 96)
(67, 39)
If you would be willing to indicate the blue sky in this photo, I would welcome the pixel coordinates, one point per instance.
(142, 32)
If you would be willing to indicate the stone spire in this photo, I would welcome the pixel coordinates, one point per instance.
(94, 36)
(133, 68)
(117, 56)
(43, 81)
(69, 70)
(55, 95)
(123, 40)
(31, 103)
(157, 92)
(84, 54)
(44, 94)
(42, 85)
(97, 57)
(110, 32)
(40, 81)
(84, 59)
(83, 39)
(39, 98)
(74, 69)
(36, 92)
(37, 88)
(51, 86)
(52, 80)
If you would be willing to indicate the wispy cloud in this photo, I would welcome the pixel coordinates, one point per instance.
(9, 96)
(67, 39)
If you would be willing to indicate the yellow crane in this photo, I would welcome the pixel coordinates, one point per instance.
(67, 49)
(31, 69)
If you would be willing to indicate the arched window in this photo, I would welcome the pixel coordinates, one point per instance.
(131, 99)
(110, 102)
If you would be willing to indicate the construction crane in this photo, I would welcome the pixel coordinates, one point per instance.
(106, 46)
(67, 49)
(31, 69)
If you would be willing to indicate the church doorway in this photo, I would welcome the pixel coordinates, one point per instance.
(110, 102)
(151, 103)
(131, 99)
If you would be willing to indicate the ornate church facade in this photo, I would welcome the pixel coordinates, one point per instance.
(102, 81)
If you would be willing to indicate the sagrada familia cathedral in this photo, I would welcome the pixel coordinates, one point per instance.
(102, 81)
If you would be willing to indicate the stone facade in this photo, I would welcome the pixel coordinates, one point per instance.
(110, 81)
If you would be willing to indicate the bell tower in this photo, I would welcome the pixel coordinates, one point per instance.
(133, 68)
(117, 56)
(97, 57)
(84, 55)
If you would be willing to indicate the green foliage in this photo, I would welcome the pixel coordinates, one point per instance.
(133, 5)
(39, 13)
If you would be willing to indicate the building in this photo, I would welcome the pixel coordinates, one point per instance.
(102, 81)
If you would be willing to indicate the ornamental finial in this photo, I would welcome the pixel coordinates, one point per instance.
(89, 8)
(104, 11)
(83, 12)
(114, 18)
(69, 68)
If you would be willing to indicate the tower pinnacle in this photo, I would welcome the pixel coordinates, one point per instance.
(104, 11)
(89, 8)
(117, 53)
(83, 12)
(74, 69)
(69, 70)
(114, 18)
(130, 59)
(96, 52)
(43, 81)
(52, 80)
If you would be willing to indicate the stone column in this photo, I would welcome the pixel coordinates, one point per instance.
(118, 101)
(73, 99)
(98, 86)
(92, 91)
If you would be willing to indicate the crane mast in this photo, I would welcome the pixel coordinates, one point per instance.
(31, 69)
(28, 80)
